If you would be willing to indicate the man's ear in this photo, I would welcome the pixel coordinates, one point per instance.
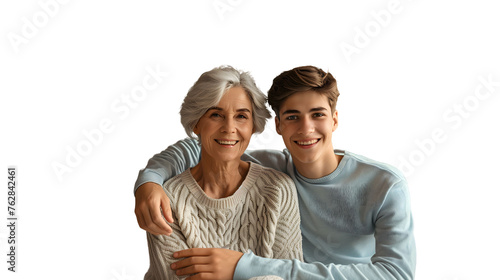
(335, 116)
(277, 122)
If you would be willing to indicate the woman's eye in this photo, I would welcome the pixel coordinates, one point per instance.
(215, 115)
(242, 117)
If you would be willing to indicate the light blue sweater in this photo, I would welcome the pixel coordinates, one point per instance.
(356, 222)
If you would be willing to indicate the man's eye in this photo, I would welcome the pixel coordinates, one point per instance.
(316, 115)
(291, 118)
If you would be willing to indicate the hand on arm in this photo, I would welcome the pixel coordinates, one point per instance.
(149, 194)
(150, 201)
(207, 263)
(161, 249)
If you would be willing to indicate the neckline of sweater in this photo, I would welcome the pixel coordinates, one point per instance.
(226, 202)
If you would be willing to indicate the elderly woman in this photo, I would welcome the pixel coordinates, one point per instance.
(224, 202)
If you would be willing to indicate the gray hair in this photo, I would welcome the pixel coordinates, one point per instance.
(208, 91)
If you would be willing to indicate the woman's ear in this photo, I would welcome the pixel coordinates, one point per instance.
(277, 122)
(195, 129)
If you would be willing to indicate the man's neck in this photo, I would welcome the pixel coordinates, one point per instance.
(319, 168)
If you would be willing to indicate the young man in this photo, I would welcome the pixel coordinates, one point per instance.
(355, 212)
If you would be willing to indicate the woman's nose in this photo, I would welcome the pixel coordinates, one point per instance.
(228, 126)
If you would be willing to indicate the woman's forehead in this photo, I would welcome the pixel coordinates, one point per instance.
(235, 98)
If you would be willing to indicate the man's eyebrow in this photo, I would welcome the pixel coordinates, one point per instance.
(317, 109)
(293, 111)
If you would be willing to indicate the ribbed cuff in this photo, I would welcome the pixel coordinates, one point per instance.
(148, 176)
(244, 266)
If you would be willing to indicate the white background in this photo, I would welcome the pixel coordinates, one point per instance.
(412, 66)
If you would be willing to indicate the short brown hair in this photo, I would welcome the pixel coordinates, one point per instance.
(300, 79)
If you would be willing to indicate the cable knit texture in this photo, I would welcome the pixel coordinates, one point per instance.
(261, 216)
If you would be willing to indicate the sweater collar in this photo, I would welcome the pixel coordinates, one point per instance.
(345, 157)
(226, 202)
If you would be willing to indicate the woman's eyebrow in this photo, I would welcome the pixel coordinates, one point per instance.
(215, 108)
(237, 110)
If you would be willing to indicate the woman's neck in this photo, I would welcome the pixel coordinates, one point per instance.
(219, 179)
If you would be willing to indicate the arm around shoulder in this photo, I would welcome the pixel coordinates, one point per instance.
(150, 199)
(274, 159)
(170, 162)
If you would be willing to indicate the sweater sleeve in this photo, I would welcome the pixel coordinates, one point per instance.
(186, 153)
(161, 249)
(394, 258)
(170, 162)
(288, 242)
(274, 159)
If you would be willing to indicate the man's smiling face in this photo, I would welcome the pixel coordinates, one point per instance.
(306, 123)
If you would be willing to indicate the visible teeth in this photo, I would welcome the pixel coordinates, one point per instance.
(307, 142)
(222, 142)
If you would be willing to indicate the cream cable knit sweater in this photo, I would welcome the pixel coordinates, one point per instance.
(262, 216)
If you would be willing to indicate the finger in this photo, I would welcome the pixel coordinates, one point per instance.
(192, 252)
(190, 261)
(149, 225)
(158, 222)
(202, 276)
(142, 224)
(197, 268)
(167, 211)
(145, 201)
(139, 217)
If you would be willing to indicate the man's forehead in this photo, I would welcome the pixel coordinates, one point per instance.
(305, 101)
(303, 110)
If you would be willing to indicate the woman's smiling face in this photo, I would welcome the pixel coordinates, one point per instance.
(225, 130)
